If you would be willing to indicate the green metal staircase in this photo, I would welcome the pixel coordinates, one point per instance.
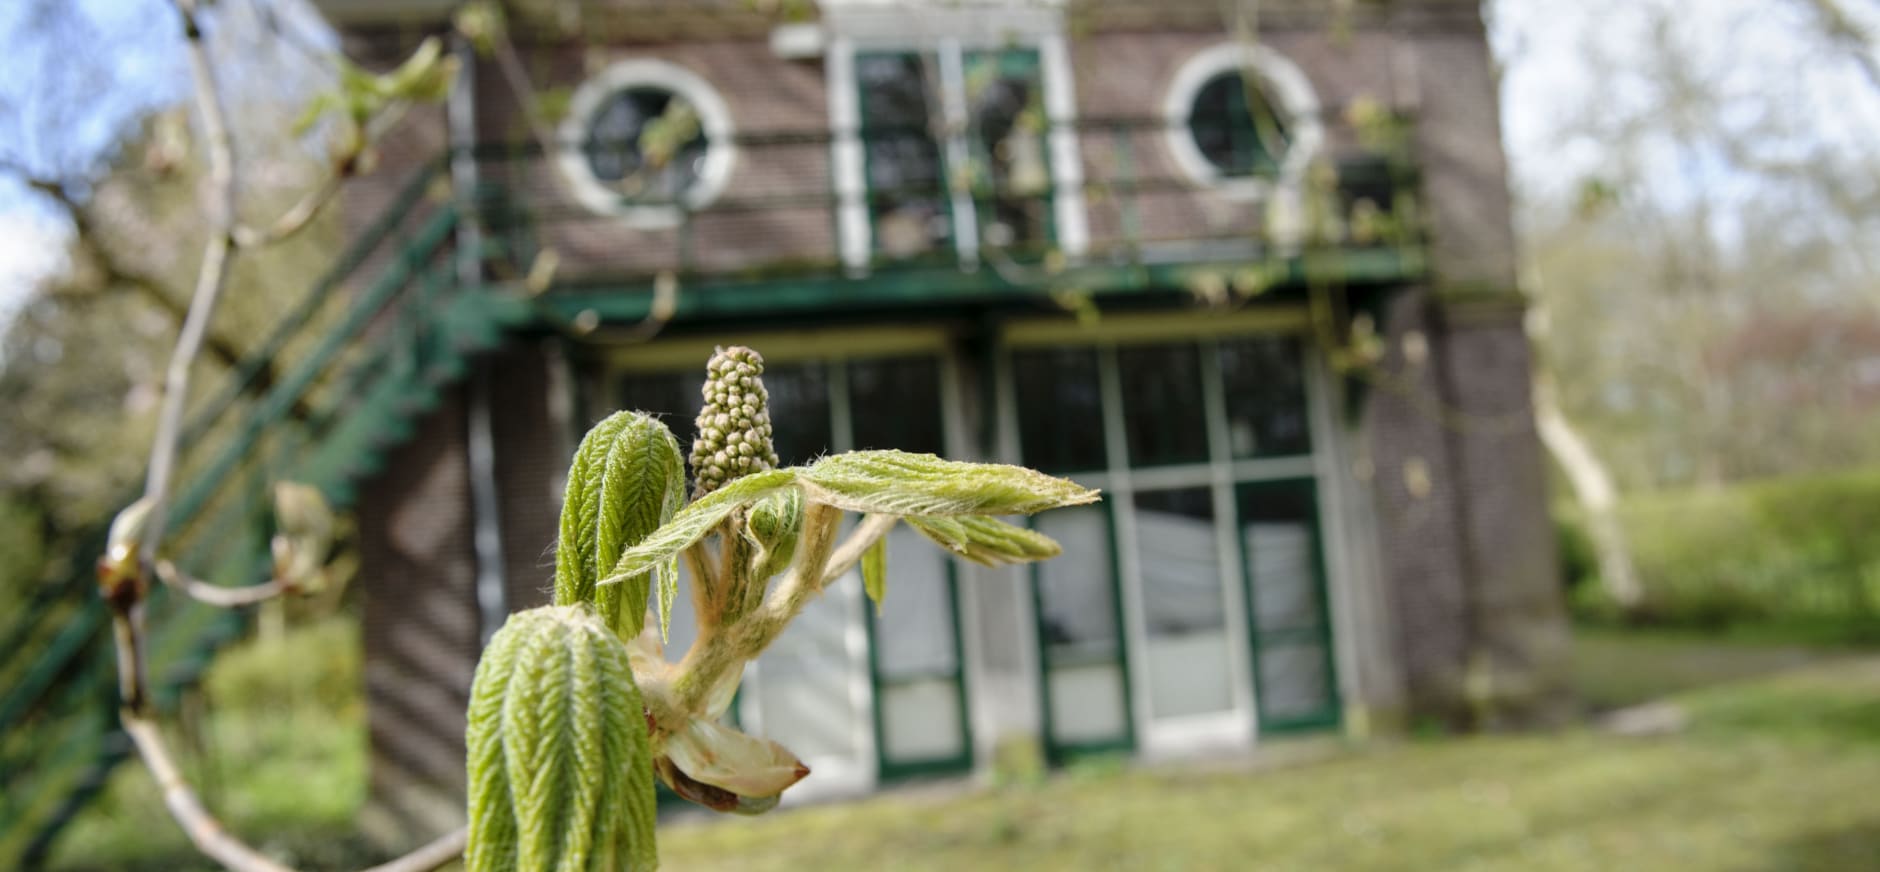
(368, 350)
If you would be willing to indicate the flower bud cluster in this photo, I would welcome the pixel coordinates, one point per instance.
(734, 425)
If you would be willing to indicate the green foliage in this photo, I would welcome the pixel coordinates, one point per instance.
(696, 521)
(900, 483)
(875, 572)
(1799, 551)
(627, 479)
(560, 769)
(987, 541)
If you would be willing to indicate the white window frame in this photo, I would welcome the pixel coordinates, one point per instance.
(948, 33)
(592, 96)
(1172, 737)
(1289, 92)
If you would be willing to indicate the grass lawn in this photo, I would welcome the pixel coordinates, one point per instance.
(1778, 770)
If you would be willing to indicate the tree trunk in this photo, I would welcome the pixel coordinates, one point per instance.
(1592, 486)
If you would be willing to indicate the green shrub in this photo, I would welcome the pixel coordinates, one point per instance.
(1795, 551)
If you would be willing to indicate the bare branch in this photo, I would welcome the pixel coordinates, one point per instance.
(437, 852)
(296, 218)
(203, 829)
(212, 276)
(866, 534)
(216, 594)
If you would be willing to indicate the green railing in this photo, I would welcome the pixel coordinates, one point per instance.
(976, 227)
(370, 344)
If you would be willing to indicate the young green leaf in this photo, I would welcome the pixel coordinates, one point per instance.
(560, 766)
(899, 483)
(875, 572)
(775, 525)
(987, 541)
(695, 521)
(627, 479)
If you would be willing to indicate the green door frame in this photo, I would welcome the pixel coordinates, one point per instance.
(1320, 633)
(889, 770)
(1061, 753)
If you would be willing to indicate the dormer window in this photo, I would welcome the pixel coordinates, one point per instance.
(1243, 120)
(646, 141)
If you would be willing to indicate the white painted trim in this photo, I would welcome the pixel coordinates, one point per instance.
(1227, 539)
(1067, 159)
(965, 213)
(591, 97)
(1344, 559)
(1292, 94)
(854, 235)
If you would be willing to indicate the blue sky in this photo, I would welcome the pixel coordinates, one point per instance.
(1560, 58)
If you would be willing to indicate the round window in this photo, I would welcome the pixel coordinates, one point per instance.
(647, 141)
(1243, 120)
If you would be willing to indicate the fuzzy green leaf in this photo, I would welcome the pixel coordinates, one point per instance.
(875, 572)
(560, 766)
(987, 541)
(775, 526)
(695, 521)
(899, 483)
(627, 479)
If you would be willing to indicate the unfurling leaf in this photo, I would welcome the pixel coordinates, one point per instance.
(775, 526)
(875, 572)
(899, 483)
(560, 767)
(714, 754)
(987, 541)
(695, 521)
(304, 527)
(627, 479)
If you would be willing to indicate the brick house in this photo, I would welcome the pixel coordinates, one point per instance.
(906, 206)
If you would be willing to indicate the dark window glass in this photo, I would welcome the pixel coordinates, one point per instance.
(617, 144)
(1235, 126)
(1265, 383)
(1060, 409)
(1010, 173)
(799, 411)
(895, 403)
(671, 397)
(1162, 410)
(906, 179)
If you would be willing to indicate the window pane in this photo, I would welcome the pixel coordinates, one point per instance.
(1010, 174)
(1264, 379)
(1277, 529)
(799, 411)
(1162, 411)
(1291, 636)
(1235, 126)
(1060, 409)
(1183, 608)
(907, 193)
(1083, 653)
(615, 155)
(895, 403)
(917, 660)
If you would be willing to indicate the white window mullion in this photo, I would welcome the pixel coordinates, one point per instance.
(953, 109)
(1227, 534)
(1129, 560)
(846, 159)
(1067, 161)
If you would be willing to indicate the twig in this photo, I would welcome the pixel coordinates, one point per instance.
(437, 852)
(216, 594)
(297, 217)
(215, 841)
(866, 534)
(211, 277)
(203, 829)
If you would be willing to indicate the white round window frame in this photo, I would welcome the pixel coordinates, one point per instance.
(1286, 86)
(592, 96)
